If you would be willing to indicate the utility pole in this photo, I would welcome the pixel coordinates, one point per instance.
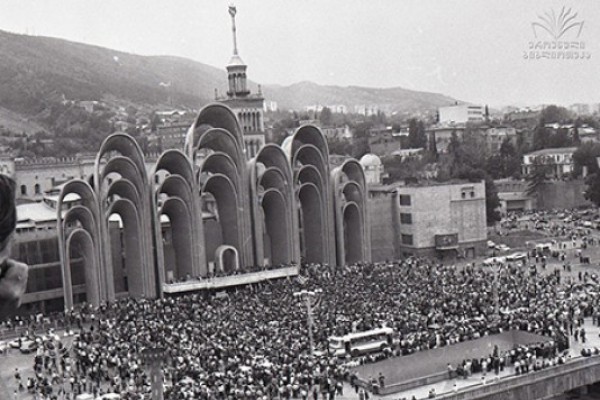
(309, 297)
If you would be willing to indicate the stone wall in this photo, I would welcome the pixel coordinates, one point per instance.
(561, 195)
(383, 229)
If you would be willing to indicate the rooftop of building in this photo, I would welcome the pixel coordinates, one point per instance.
(390, 187)
(555, 150)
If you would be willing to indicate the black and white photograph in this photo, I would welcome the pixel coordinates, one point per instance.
(299, 200)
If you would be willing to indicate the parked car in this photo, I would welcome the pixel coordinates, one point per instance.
(494, 260)
(518, 256)
(28, 346)
(502, 247)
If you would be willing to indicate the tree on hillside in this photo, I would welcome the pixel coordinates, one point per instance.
(592, 192)
(325, 117)
(537, 176)
(541, 137)
(417, 138)
(552, 114)
(586, 156)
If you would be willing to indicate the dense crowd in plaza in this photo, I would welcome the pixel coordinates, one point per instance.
(253, 343)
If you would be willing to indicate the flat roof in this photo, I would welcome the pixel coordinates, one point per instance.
(554, 150)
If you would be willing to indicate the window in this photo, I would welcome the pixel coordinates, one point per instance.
(404, 200)
(407, 239)
(406, 218)
(37, 188)
(23, 190)
(472, 194)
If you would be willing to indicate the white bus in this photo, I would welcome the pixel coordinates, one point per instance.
(358, 343)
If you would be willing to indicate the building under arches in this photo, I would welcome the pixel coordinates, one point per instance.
(138, 231)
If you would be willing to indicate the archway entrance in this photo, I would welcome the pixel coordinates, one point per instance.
(227, 259)
(126, 248)
(277, 241)
(83, 268)
(177, 240)
(353, 235)
(312, 224)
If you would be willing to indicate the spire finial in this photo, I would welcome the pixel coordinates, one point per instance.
(232, 12)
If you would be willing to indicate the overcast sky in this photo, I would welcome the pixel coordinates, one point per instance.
(468, 49)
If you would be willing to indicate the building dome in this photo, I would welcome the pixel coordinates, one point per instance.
(236, 61)
(370, 160)
(286, 146)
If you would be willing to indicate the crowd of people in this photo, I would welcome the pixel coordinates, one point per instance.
(253, 343)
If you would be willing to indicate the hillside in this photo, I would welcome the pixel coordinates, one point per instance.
(397, 99)
(36, 73)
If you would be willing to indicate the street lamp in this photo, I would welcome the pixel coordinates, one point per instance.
(309, 297)
(496, 268)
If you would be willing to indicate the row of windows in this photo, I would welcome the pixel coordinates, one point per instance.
(464, 194)
(37, 189)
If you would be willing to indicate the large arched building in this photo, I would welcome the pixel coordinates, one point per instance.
(206, 210)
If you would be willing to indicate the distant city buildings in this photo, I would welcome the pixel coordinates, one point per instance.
(460, 114)
(385, 140)
(495, 136)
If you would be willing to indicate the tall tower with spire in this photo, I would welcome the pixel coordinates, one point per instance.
(248, 107)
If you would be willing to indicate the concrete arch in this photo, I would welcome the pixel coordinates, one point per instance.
(176, 186)
(274, 178)
(80, 214)
(127, 169)
(223, 164)
(124, 157)
(125, 145)
(310, 173)
(87, 214)
(81, 188)
(181, 183)
(353, 234)
(125, 189)
(216, 115)
(277, 227)
(82, 238)
(175, 162)
(351, 191)
(272, 155)
(310, 134)
(310, 155)
(351, 226)
(182, 233)
(355, 172)
(312, 221)
(132, 234)
(227, 259)
(220, 140)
